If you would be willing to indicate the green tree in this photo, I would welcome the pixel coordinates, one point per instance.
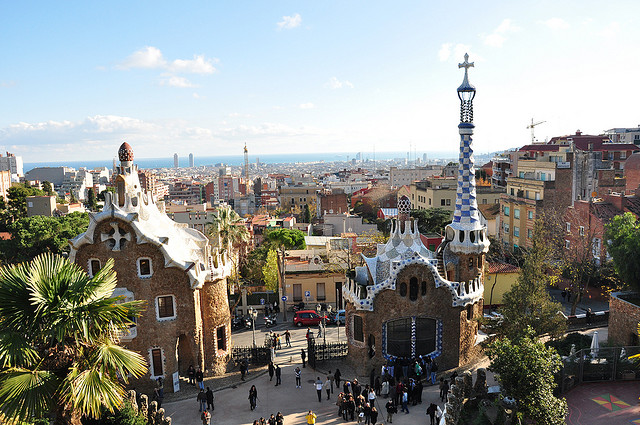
(623, 244)
(47, 188)
(526, 370)
(59, 352)
(307, 214)
(17, 199)
(32, 236)
(432, 220)
(528, 303)
(91, 200)
(285, 239)
(229, 228)
(270, 271)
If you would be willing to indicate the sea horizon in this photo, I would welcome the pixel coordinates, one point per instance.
(238, 160)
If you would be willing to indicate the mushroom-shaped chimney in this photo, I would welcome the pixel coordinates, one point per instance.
(125, 153)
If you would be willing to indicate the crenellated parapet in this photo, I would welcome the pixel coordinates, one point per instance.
(462, 293)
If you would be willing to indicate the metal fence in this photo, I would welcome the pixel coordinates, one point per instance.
(253, 355)
(602, 364)
(319, 352)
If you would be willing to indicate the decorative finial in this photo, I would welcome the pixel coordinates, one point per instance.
(466, 86)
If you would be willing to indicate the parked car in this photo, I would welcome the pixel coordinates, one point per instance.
(306, 318)
(340, 317)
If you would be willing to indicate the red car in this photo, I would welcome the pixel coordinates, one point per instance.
(306, 318)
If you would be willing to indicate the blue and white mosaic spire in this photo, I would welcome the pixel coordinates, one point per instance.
(466, 232)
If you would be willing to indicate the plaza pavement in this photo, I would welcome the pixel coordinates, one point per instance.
(232, 404)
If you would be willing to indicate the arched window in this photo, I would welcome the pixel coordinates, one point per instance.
(403, 289)
(413, 288)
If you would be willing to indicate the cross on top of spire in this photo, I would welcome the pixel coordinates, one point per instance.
(466, 64)
(466, 86)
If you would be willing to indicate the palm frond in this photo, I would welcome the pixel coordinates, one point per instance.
(111, 357)
(16, 350)
(27, 394)
(90, 391)
(16, 310)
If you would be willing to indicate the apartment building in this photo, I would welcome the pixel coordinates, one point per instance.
(440, 192)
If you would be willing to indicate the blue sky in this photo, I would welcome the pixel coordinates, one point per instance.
(77, 78)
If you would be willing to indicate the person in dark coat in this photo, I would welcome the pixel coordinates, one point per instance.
(337, 376)
(200, 378)
(378, 385)
(209, 395)
(243, 368)
(304, 357)
(356, 388)
(191, 372)
(272, 369)
(374, 415)
(431, 411)
(278, 375)
(253, 397)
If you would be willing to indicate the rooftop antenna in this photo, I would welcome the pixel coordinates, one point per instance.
(532, 127)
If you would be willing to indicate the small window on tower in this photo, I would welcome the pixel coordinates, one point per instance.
(94, 266)
(144, 267)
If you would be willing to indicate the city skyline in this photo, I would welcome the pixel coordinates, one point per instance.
(298, 78)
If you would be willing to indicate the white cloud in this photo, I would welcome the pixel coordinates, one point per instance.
(556, 23)
(499, 35)
(335, 84)
(611, 30)
(175, 81)
(444, 52)
(308, 105)
(197, 65)
(151, 58)
(290, 22)
(148, 57)
(197, 96)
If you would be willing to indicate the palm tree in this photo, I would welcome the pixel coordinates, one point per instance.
(229, 228)
(59, 352)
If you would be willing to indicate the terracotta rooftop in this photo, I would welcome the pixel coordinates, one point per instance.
(502, 268)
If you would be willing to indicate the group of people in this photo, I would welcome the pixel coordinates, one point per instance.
(275, 339)
(276, 419)
(196, 376)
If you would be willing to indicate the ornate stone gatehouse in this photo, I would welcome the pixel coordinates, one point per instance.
(173, 268)
(408, 301)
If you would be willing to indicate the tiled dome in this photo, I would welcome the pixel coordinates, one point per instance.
(125, 153)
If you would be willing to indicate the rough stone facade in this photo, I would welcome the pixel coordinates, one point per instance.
(624, 318)
(173, 269)
(457, 339)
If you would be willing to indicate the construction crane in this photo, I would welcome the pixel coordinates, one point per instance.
(532, 126)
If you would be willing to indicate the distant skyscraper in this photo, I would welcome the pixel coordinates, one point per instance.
(424, 157)
(176, 164)
(191, 163)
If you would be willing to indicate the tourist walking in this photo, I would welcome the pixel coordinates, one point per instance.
(331, 378)
(431, 411)
(298, 377)
(319, 388)
(374, 415)
(287, 338)
(391, 409)
(202, 400)
(337, 376)
(405, 400)
(303, 356)
(191, 372)
(272, 369)
(209, 394)
(243, 368)
(327, 388)
(434, 371)
(206, 417)
(279, 419)
(444, 391)
(200, 379)
(278, 375)
(253, 397)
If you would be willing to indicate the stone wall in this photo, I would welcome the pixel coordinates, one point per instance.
(216, 314)
(180, 338)
(458, 334)
(623, 320)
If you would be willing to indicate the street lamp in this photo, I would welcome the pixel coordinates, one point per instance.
(254, 314)
(324, 327)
